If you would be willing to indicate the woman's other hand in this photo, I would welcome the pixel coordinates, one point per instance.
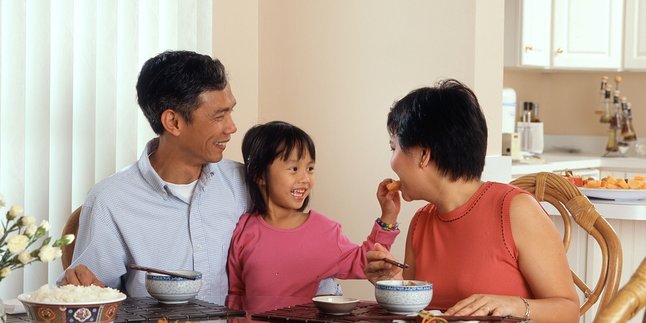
(377, 269)
(483, 305)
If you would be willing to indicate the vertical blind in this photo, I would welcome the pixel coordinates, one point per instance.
(68, 108)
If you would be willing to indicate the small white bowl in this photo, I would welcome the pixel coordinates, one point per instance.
(171, 289)
(403, 297)
(335, 305)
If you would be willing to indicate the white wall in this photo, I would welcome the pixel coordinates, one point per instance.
(334, 68)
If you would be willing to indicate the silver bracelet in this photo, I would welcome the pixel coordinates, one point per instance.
(526, 308)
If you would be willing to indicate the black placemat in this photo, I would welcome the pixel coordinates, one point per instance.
(366, 311)
(148, 309)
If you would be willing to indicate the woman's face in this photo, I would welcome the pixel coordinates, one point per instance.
(406, 164)
(290, 182)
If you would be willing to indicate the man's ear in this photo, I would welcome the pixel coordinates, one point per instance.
(171, 120)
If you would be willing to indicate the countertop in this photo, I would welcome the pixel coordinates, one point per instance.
(557, 162)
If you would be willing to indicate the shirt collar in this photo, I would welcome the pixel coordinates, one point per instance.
(157, 183)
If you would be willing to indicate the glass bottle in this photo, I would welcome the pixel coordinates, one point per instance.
(627, 129)
(606, 117)
(602, 91)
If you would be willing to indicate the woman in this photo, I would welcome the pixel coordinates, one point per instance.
(488, 248)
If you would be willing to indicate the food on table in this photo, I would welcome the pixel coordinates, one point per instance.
(74, 294)
(636, 183)
(575, 180)
(393, 186)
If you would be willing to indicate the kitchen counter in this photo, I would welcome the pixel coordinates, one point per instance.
(553, 162)
(609, 209)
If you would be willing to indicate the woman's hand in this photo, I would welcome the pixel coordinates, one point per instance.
(389, 201)
(482, 305)
(377, 269)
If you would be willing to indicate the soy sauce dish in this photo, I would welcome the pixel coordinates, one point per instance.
(335, 305)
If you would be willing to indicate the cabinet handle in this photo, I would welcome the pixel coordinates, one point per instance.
(559, 50)
(529, 48)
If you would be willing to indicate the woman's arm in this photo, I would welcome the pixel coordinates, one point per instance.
(543, 263)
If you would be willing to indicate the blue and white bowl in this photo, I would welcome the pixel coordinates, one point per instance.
(171, 289)
(403, 297)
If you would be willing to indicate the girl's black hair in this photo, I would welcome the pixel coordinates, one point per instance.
(264, 143)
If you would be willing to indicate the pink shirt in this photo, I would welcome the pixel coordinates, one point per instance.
(470, 249)
(271, 268)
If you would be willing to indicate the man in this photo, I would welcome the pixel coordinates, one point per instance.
(177, 206)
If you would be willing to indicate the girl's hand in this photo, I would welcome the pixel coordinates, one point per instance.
(376, 269)
(482, 304)
(389, 201)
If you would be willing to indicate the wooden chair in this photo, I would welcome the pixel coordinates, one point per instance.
(71, 226)
(630, 299)
(571, 203)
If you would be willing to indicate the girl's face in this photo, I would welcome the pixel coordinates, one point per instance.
(289, 182)
(406, 164)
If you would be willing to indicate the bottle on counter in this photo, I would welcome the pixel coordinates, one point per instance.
(534, 110)
(606, 117)
(627, 130)
(599, 109)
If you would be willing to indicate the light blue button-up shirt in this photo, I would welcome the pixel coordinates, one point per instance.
(133, 217)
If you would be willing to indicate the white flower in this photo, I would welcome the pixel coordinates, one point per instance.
(68, 238)
(24, 257)
(45, 225)
(17, 243)
(14, 212)
(27, 220)
(2, 203)
(30, 230)
(4, 272)
(47, 253)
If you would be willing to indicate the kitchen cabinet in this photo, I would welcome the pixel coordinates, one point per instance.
(635, 35)
(527, 32)
(564, 34)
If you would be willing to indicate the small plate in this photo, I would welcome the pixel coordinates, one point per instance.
(613, 194)
(335, 305)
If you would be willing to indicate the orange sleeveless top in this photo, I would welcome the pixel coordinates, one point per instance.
(469, 250)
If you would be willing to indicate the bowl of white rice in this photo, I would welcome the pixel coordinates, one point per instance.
(72, 304)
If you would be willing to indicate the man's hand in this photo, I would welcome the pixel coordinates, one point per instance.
(81, 275)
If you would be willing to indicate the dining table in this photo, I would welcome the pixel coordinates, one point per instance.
(366, 311)
(147, 309)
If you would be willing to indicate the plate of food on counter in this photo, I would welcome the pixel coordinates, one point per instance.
(612, 188)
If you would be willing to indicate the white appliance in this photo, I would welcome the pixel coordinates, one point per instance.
(508, 110)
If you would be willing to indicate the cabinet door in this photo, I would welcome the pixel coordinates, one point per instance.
(535, 36)
(528, 26)
(587, 34)
(635, 37)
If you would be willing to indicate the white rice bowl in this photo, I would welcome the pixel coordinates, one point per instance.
(70, 294)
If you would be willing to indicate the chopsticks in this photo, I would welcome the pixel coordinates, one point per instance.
(398, 264)
(160, 271)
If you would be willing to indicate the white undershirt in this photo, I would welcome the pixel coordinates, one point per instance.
(183, 191)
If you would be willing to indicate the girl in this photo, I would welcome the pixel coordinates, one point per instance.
(279, 253)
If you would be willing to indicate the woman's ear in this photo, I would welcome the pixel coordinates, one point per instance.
(425, 158)
(171, 121)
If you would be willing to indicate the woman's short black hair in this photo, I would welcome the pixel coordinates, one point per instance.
(174, 80)
(447, 120)
(264, 143)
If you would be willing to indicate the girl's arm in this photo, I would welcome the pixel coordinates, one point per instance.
(235, 298)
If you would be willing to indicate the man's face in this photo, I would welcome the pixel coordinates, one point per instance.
(206, 137)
